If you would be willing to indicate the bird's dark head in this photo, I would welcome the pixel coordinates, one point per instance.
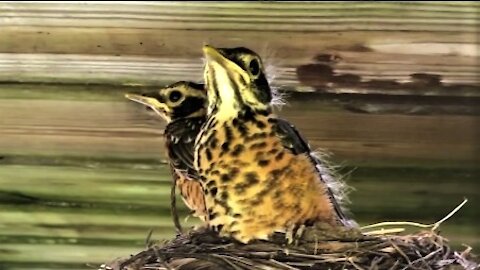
(235, 79)
(179, 100)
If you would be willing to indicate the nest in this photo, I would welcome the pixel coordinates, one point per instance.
(317, 247)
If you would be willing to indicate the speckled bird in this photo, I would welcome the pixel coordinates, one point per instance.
(183, 106)
(258, 173)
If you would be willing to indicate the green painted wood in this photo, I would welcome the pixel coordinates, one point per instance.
(83, 176)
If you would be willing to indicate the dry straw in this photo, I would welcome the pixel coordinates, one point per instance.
(318, 247)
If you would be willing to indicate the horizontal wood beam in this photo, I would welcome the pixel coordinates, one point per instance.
(338, 47)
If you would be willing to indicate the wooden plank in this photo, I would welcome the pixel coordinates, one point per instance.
(102, 69)
(262, 16)
(109, 129)
(65, 253)
(86, 231)
(123, 129)
(342, 44)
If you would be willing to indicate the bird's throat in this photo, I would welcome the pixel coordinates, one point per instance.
(223, 93)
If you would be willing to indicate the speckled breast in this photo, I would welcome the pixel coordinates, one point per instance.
(253, 185)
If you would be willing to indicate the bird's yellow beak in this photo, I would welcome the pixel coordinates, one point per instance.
(147, 101)
(213, 54)
(158, 107)
(217, 59)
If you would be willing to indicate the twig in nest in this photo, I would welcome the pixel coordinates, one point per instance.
(148, 238)
(173, 206)
(433, 226)
(204, 249)
(161, 260)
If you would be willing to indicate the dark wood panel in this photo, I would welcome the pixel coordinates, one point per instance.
(123, 129)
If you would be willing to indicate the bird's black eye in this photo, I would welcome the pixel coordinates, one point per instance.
(175, 96)
(254, 67)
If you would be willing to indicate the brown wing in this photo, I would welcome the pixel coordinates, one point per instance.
(180, 138)
(192, 195)
(294, 141)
